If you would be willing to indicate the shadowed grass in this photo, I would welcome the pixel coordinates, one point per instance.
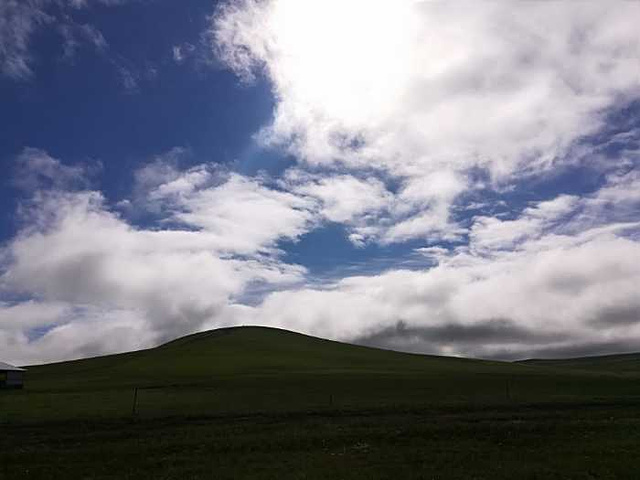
(255, 402)
(256, 369)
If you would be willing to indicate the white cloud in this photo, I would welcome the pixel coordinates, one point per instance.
(614, 207)
(426, 91)
(551, 296)
(243, 215)
(494, 234)
(15, 317)
(425, 82)
(75, 35)
(559, 276)
(35, 332)
(20, 20)
(358, 203)
(36, 170)
(393, 109)
(237, 214)
(344, 197)
(372, 213)
(152, 283)
(182, 52)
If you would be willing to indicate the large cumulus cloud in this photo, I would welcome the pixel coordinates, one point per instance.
(80, 260)
(561, 277)
(427, 91)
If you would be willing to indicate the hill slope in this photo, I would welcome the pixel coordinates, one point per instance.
(252, 370)
(623, 363)
(247, 351)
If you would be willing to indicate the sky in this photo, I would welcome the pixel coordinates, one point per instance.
(455, 178)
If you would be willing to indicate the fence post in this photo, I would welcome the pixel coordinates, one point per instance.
(134, 407)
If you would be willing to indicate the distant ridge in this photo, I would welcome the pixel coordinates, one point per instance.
(620, 363)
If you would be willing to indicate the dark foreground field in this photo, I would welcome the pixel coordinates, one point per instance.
(263, 403)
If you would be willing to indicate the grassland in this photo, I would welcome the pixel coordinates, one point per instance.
(263, 403)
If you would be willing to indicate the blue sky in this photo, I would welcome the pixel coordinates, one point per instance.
(373, 172)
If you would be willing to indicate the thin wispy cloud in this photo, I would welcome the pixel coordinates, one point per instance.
(23, 20)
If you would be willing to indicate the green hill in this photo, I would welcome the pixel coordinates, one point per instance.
(244, 351)
(256, 402)
(257, 369)
(623, 363)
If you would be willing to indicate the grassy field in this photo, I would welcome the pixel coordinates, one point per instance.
(264, 403)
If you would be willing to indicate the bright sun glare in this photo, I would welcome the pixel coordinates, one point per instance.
(330, 54)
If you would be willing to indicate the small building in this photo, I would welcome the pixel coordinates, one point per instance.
(10, 376)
